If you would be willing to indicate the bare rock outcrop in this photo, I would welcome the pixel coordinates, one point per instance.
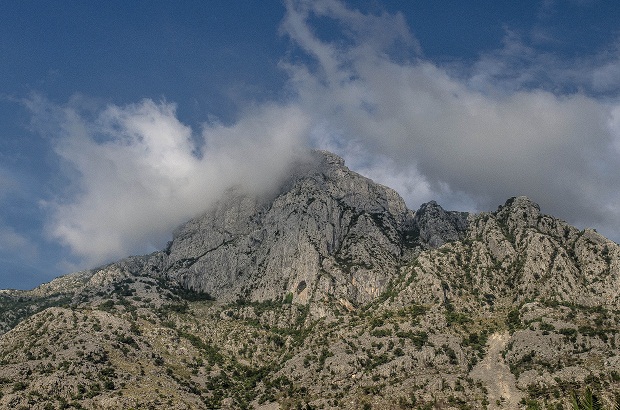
(328, 233)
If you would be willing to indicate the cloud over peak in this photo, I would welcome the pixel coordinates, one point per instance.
(463, 135)
(138, 173)
(476, 135)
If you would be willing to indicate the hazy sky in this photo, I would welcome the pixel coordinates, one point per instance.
(120, 120)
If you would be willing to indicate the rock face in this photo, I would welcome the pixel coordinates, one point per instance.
(329, 232)
(434, 226)
(329, 293)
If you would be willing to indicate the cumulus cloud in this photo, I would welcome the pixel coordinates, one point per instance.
(136, 172)
(478, 136)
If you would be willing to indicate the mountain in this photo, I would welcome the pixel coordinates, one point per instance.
(329, 234)
(327, 293)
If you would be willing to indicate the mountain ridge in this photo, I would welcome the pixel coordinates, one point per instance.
(327, 293)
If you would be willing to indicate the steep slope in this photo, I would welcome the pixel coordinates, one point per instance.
(328, 233)
(517, 254)
(328, 293)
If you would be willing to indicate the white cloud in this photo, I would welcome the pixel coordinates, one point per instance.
(607, 76)
(469, 138)
(519, 64)
(8, 183)
(477, 139)
(138, 173)
(12, 242)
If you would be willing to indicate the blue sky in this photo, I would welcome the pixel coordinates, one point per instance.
(121, 120)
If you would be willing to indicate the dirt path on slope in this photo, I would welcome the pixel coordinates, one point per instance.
(495, 374)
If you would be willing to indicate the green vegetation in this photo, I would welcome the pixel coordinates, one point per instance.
(513, 320)
(590, 401)
(453, 317)
(15, 309)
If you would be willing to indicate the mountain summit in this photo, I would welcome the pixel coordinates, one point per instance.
(328, 232)
(327, 292)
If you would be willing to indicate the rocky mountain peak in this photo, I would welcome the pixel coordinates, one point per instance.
(327, 233)
(521, 204)
(327, 157)
(519, 212)
(435, 226)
